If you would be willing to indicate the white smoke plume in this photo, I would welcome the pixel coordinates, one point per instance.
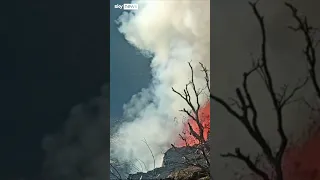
(173, 33)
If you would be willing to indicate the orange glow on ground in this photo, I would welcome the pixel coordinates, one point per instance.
(204, 114)
(303, 162)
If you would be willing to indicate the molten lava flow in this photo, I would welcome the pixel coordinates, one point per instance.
(188, 139)
(303, 162)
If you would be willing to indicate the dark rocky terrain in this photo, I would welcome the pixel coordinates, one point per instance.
(176, 166)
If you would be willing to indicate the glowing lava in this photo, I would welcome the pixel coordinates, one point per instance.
(303, 162)
(204, 114)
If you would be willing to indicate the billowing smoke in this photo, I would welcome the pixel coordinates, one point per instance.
(173, 33)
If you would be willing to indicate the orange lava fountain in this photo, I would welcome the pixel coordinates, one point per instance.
(204, 115)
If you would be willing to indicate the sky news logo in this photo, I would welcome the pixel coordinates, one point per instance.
(127, 6)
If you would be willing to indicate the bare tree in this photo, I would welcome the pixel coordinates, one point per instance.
(309, 51)
(194, 115)
(249, 115)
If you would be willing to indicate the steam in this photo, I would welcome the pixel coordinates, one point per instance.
(173, 33)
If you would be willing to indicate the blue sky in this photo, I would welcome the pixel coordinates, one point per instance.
(129, 72)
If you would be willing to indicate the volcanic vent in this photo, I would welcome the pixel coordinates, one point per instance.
(178, 160)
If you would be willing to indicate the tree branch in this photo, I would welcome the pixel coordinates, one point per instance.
(154, 160)
(246, 105)
(239, 155)
(118, 176)
(311, 44)
(203, 147)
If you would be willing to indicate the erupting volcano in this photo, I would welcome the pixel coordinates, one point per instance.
(187, 138)
(170, 34)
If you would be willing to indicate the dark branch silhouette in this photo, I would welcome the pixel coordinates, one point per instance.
(239, 155)
(245, 103)
(311, 44)
(193, 114)
(117, 174)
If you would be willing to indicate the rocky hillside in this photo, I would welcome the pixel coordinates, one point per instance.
(177, 166)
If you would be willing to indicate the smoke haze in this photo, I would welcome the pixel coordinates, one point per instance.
(81, 149)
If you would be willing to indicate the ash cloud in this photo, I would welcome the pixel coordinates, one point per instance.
(173, 33)
(236, 34)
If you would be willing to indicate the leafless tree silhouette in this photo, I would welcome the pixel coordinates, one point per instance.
(249, 114)
(203, 146)
(309, 51)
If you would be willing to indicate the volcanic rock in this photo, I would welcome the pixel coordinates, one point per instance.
(189, 173)
(175, 166)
